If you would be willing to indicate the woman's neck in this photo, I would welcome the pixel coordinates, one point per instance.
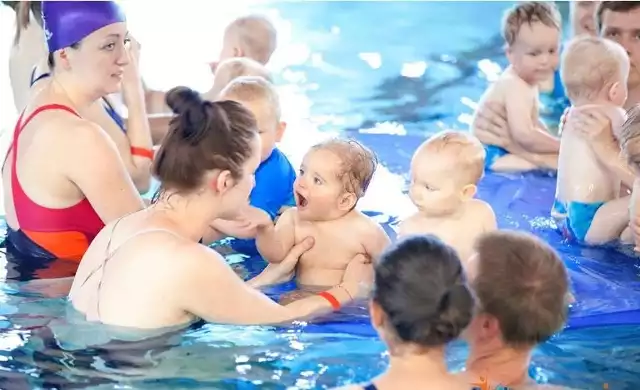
(416, 366)
(500, 365)
(72, 89)
(188, 213)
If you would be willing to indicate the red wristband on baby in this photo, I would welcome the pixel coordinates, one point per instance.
(142, 152)
(335, 304)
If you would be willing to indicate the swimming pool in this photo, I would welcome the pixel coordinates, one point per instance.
(389, 74)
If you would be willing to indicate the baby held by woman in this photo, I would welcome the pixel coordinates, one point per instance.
(333, 176)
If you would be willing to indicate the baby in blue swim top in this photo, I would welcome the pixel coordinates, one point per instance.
(445, 171)
(532, 34)
(274, 178)
(588, 204)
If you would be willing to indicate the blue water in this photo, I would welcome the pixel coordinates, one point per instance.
(388, 74)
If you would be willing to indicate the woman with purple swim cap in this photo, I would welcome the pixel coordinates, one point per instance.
(63, 178)
(29, 74)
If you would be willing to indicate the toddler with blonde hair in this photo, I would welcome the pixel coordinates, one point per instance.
(445, 172)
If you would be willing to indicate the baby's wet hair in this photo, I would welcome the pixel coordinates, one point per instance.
(203, 136)
(529, 12)
(358, 163)
(420, 286)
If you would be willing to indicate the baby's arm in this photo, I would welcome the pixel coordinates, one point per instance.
(274, 242)
(608, 153)
(488, 217)
(520, 105)
(375, 240)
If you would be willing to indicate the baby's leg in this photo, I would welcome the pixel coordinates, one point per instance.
(512, 163)
(609, 222)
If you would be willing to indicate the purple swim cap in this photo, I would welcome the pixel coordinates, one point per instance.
(68, 22)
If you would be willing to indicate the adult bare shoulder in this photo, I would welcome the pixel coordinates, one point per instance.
(91, 161)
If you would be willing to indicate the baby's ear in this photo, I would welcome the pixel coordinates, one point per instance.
(469, 191)
(347, 201)
(282, 127)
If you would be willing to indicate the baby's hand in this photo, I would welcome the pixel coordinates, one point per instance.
(245, 225)
(358, 277)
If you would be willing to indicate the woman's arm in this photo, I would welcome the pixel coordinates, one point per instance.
(209, 289)
(91, 161)
(139, 157)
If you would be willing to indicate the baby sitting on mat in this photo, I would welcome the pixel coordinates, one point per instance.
(532, 34)
(445, 171)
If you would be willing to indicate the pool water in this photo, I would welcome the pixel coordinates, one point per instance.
(389, 74)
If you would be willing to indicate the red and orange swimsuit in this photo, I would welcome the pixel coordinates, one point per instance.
(44, 232)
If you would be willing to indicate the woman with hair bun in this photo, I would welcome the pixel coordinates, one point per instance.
(147, 270)
(420, 303)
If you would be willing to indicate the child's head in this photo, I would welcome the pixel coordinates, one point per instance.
(420, 296)
(233, 68)
(260, 97)
(445, 171)
(629, 137)
(252, 36)
(521, 286)
(334, 175)
(531, 31)
(595, 70)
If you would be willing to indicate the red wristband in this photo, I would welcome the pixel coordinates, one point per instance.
(142, 152)
(331, 299)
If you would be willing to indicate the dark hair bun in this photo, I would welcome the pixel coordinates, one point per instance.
(420, 286)
(182, 99)
(454, 314)
(190, 110)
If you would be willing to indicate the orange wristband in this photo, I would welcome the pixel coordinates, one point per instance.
(335, 304)
(142, 152)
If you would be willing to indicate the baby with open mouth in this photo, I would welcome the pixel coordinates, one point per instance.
(333, 176)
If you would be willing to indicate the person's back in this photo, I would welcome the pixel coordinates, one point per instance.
(594, 72)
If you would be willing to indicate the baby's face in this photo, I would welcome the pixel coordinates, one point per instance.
(534, 54)
(582, 17)
(318, 188)
(268, 127)
(433, 187)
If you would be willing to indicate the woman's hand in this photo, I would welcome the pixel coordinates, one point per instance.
(245, 224)
(131, 80)
(591, 122)
(283, 271)
(358, 277)
(491, 124)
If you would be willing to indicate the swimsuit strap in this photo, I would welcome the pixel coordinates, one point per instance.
(370, 386)
(109, 255)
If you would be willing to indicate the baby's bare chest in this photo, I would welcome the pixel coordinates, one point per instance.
(334, 245)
